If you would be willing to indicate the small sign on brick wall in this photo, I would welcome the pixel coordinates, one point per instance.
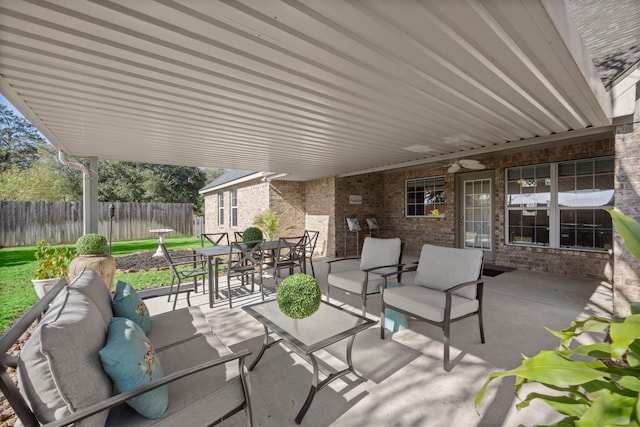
(355, 200)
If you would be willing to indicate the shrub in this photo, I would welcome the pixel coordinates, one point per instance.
(92, 244)
(251, 234)
(299, 296)
(53, 261)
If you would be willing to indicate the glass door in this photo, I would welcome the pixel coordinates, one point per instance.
(474, 211)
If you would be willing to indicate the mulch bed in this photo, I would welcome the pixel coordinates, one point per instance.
(142, 261)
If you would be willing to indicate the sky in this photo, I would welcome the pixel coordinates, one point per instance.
(5, 101)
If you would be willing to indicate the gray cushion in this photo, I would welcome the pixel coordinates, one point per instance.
(199, 399)
(351, 281)
(428, 303)
(378, 252)
(59, 368)
(441, 268)
(89, 283)
(175, 326)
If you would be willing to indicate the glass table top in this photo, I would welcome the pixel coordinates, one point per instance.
(326, 326)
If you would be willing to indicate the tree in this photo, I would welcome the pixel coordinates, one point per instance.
(19, 141)
(30, 170)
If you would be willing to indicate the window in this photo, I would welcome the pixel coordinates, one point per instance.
(234, 208)
(424, 195)
(561, 205)
(220, 208)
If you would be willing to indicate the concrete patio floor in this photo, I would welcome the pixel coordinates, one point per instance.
(407, 385)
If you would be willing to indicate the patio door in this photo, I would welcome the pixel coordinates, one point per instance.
(475, 211)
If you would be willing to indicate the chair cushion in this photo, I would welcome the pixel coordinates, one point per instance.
(441, 268)
(127, 303)
(178, 325)
(89, 283)
(377, 252)
(59, 367)
(199, 399)
(428, 303)
(130, 360)
(352, 280)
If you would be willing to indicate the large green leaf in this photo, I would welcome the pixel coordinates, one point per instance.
(550, 368)
(609, 410)
(562, 404)
(629, 229)
(624, 334)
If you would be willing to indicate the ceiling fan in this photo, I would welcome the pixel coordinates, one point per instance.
(465, 163)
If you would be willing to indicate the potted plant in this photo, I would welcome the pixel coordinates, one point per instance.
(299, 296)
(53, 266)
(92, 252)
(595, 384)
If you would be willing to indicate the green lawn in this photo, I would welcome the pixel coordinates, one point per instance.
(18, 264)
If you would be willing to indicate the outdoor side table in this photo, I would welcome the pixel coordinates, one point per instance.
(326, 326)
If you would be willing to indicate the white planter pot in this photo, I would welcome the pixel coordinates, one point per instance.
(42, 286)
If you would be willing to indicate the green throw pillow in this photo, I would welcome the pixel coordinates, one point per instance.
(127, 303)
(130, 361)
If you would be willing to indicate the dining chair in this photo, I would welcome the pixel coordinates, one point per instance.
(215, 239)
(184, 267)
(237, 235)
(289, 254)
(310, 247)
(447, 287)
(379, 256)
(245, 261)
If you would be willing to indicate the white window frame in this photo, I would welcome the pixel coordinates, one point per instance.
(234, 208)
(221, 208)
(553, 209)
(433, 183)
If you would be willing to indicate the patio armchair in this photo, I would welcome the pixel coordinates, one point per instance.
(185, 267)
(447, 287)
(379, 256)
(310, 247)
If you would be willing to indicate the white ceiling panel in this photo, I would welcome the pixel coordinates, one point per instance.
(308, 88)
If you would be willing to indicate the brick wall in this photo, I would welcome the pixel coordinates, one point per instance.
(626, 281)
(370, 187)
(286, 198)
(441, 231)
(320, 213)
(253, 198)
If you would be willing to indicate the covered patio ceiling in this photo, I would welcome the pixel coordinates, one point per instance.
(308, 88)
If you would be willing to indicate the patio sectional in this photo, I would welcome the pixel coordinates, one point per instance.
(188, 375)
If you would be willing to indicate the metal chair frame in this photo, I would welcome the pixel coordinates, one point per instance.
(199, 269)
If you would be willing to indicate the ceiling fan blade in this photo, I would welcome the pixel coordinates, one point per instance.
(454, 168)
(471, 164)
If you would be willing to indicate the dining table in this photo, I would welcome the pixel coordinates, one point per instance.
(213, 254)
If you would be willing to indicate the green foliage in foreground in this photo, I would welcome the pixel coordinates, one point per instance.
(18, 266)
(585, 389)
(595, 384)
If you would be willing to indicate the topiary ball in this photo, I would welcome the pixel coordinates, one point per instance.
(91, 244)
(299, 296)
(251, 234)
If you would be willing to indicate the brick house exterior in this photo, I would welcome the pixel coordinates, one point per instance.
(323, 205)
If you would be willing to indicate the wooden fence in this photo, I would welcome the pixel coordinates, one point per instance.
(26, 223)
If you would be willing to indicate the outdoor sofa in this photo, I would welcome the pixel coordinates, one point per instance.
(60, 367)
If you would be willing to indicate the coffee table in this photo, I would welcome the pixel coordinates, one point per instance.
(326, 326)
